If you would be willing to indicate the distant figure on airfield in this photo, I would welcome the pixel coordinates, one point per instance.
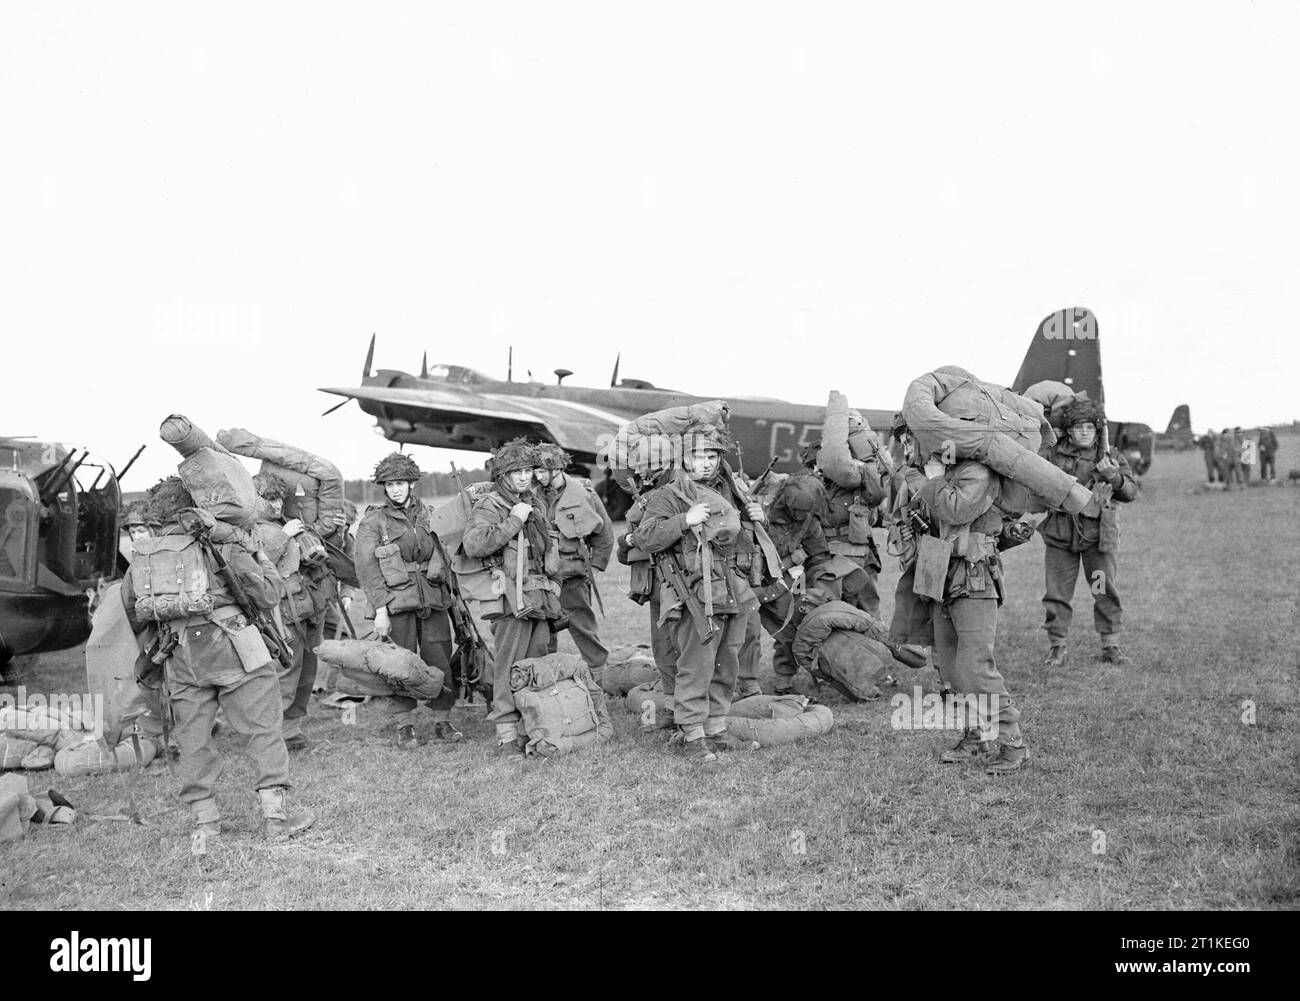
(1228, 457)
(1210, 445)
(1245, 453)
(1267, 454)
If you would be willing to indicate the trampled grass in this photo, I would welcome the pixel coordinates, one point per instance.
(1174, 783)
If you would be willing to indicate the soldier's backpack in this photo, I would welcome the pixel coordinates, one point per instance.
(563, 709)
(170, 578)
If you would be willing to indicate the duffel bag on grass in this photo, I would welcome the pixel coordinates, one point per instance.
(399, 667)
(812, 722)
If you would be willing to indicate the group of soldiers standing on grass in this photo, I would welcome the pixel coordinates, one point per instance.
(716, 559)
(1231, 453)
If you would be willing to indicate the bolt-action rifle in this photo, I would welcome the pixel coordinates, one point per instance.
(257, 616)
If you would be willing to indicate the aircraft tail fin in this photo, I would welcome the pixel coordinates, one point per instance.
(1065, 349)
(1181, 421)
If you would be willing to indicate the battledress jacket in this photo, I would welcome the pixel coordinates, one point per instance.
(407, 527)
(1076, 532)
(663, 527)
(962, 505)
(585, 534)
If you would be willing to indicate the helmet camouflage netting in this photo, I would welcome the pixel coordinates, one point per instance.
(705, 436)
(270, 488)
(136, 513)
(1080, 410)
(551, 456)
(514, 455)
(167, 498)
(396, 466)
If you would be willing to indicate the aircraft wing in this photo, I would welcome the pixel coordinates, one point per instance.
(575, 427)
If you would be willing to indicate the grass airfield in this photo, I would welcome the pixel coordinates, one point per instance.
(1170, 784)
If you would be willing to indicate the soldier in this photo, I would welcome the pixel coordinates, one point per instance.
(1090, 540)
(279, 541)
(644, 588)
(1209, 446)
(851, 511)
(585, 542)
(206, 671)
(794, 519)
(1227, 455)
(912, 621)
(508, 530)
(1267, 454)
(695, 519)
(404, 577)
(961, 506)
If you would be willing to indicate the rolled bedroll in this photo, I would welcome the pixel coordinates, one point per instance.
(320, 479)
(812, 722)
(648, 443)
(395, 665)
(619, 679)
(949, 410)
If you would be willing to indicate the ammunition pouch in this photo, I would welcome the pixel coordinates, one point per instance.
(392, 566)
(858, 530)
(482, 582)
(642, 579)
(541, 598)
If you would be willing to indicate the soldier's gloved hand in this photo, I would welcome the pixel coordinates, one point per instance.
(521, 511)
(293, 526)
(755, 511)
(382, 625)
(698, 514)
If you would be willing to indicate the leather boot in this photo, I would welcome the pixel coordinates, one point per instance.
(281, 823)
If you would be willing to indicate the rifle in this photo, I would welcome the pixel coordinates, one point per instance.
(670, 569)
(156, 655)
(265, 625)
(464, 629)
(758, 483)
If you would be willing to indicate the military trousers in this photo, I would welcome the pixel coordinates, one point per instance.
(575, 599)
(297, 679)
(430, 637)
(1062, 573)
(771, 616)
(751, 650)
(251, 706)
(965, 630)
(663, 644)
(706, 673)
(513, 640)
(1267, 468)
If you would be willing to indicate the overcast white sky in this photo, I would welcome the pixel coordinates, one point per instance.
(209, 210)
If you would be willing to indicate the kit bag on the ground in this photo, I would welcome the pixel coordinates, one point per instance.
(396, 666)
(170, 578)
(834, 644)
(563, 710)
(621, 676)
